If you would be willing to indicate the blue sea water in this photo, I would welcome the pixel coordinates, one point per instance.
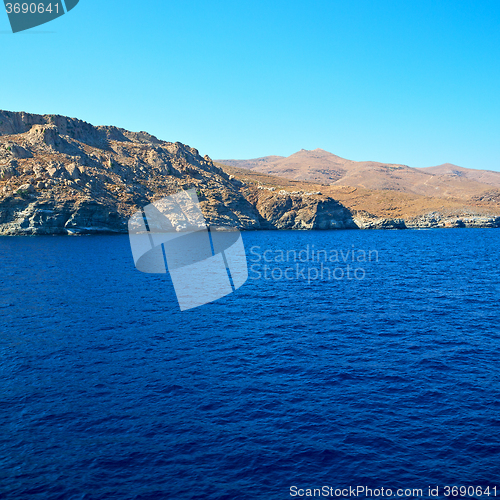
(390, 379)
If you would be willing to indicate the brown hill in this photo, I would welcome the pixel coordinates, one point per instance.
(453, 171)
(316, 165)
(256, 162)
(384, 208)
(322, 167)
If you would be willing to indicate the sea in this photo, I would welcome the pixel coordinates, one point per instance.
(350, 364)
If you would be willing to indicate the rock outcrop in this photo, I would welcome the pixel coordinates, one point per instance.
(298, 210)
(371, 222)
(437, 220)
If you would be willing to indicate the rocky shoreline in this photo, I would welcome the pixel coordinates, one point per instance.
(63, 176)
(435, 221)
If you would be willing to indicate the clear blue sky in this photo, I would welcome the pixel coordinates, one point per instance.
(394, 81)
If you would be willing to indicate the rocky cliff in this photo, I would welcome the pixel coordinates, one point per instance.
(283, 209)
(61, 175)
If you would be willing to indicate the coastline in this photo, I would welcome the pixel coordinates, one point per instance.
(109, 232)
(64, 176)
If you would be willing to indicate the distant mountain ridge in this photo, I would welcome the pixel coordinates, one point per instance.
(321, 166)
(448, 169)
(315, 165)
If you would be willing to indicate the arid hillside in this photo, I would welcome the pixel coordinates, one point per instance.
(385, 207)
(322, 167)
(453, 172)
(61, 175)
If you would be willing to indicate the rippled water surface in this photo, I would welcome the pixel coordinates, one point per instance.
(109, 391)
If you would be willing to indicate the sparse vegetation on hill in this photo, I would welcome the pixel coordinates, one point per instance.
(61, 175)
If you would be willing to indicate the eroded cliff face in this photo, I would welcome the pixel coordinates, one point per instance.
(281, 209)
(61, 175)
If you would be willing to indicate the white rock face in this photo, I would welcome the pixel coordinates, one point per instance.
(73, 171)
(25, 188)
